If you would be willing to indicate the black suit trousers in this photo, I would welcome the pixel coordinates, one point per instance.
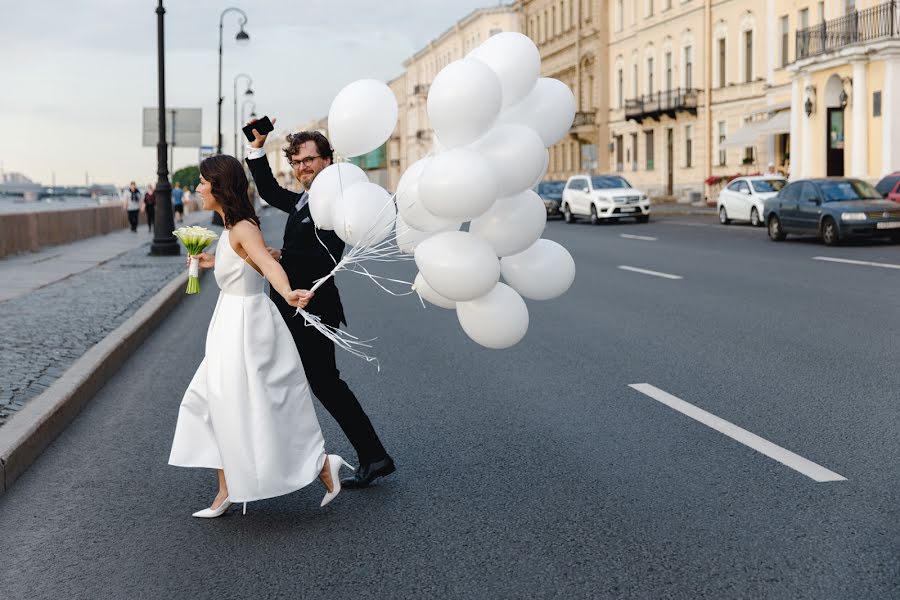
(318, 356)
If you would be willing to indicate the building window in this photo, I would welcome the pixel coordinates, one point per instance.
(820, 11)
(650, 76)
(749, 158)
(722, 151)
(635, 80)
(546, 25)
(688, 141)
(620, 150)
(668, 71)
(553, 30)
(748, 56)
(721, 62)
(619, 17)
(667, 4)
(648, 148)
(876, 104)
(649, 8)
(634, 152)
(562, 16)
(804, 18)
(620, 84)
(688, 67)
(785, 37)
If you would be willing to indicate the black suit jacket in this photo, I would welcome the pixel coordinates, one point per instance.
(303, 256)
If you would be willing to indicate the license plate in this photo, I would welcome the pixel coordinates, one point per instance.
(888, 225)
(628, 209)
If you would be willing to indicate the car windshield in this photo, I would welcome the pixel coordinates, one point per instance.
(551, 187)
(887, 184)
(846, 190)
(609, 183)
(766, 186)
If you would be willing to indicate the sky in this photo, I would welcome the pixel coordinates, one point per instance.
(75, 75)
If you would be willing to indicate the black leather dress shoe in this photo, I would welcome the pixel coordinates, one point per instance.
(366, 474)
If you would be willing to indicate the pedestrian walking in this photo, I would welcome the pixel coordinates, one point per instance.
(248, 411)
(150, 207)
(131, 202)
(306, 260)
(178, 202)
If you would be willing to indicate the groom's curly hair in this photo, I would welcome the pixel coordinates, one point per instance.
(228, 185)
(295, 140)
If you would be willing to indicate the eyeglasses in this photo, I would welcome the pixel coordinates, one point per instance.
(305, 162)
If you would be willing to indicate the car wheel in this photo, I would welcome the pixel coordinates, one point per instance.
(595, 220)
(567, 214)
(754, 217)
(776, 233)
(830, 234)
(643, 219)
(723, 216)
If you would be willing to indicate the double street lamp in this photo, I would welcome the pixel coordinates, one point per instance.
(242, 38)
(247, 92)
(164, 243)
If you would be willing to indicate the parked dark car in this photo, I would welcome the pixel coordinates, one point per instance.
(889, 187)
(551, 193)
(834, 208)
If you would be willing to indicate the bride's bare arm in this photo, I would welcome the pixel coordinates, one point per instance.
(249, 238)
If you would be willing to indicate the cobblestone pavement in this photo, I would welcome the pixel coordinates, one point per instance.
(45, 331)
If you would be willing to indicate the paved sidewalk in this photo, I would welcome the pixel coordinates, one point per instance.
(57, 303)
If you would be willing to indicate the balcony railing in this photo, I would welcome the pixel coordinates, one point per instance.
(669, 102)
(860, 26)
(583, 118)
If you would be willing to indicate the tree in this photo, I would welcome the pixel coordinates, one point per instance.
(187, 177)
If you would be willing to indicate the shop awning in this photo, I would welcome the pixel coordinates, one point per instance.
(749, 134)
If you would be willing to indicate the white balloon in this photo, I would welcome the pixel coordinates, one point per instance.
(497, 320)
(516, 61)
(458, 265)
(425, 291)
(463, 102)
(543, 174)
(408, 238)
(542, 272)
(458, 185)
(512, 224)
(409, 202)
(515, 154)
(362, 117)
(549, 109)
(364, 214)
(327, 187)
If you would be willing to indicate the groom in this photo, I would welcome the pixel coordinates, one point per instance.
(305, 260)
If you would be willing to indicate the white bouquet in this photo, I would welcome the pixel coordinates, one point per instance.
(196, 240)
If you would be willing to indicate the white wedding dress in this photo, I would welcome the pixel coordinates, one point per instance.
(248, 409)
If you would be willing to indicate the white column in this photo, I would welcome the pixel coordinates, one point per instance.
(796, 116)
(859, 161)
(890, 94)
(806, 149)
(772, 32)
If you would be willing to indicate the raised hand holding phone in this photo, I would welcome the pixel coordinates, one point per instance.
(256, 131)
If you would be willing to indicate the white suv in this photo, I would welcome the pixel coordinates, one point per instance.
(603, 197)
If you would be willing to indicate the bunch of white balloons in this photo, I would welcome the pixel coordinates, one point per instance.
(494, 118)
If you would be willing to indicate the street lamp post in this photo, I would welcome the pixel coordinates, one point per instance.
(164, 243)
(247, 92)
(244, 117)
(242, 38)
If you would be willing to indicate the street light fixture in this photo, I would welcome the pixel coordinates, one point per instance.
(244, 118)
(242, 38)
(247, 92)
(164, 243)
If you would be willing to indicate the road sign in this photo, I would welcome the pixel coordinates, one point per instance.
(205, 151)
(183, 123)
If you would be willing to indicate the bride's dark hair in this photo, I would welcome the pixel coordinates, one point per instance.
(228, 185)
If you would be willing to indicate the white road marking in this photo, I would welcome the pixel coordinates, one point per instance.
(628, 236)
(785, 457)
(646, 272)
(864, 263)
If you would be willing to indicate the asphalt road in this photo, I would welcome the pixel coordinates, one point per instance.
(536, 471)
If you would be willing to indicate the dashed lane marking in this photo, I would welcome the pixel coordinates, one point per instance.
(863, 263)
(647, 272)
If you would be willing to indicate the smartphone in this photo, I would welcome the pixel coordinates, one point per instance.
(263, 126)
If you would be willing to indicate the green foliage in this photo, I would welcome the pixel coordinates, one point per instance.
(187, 177)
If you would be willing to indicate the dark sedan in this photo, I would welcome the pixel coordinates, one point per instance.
(835, 208)
(551, 193)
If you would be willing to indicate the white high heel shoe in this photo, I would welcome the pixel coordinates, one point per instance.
(212, 513)
(334, 467)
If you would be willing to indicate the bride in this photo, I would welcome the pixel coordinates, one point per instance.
(248, 411)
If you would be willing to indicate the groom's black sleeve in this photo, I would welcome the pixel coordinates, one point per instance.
(268, 188)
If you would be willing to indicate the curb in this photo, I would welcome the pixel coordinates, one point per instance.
(31, 430)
